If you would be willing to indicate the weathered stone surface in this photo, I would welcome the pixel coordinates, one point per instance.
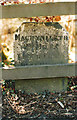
(38, 85)
(40, 44)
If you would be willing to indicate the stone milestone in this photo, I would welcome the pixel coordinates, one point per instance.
(40, 44)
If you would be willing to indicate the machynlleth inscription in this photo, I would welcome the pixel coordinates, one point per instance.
(40, 44)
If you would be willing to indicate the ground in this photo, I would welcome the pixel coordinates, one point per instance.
(45, 105)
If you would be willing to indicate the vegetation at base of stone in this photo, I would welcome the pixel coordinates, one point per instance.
(72, 83)
(7, 86)
(5, 60)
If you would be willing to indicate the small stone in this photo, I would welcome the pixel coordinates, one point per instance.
(68, 114)
(70, 95)
(43, 96)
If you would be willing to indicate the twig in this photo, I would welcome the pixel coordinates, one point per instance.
(30, 103)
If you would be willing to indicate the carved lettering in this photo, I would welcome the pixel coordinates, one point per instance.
(40, 44)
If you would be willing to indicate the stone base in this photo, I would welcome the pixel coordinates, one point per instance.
(39, 85)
